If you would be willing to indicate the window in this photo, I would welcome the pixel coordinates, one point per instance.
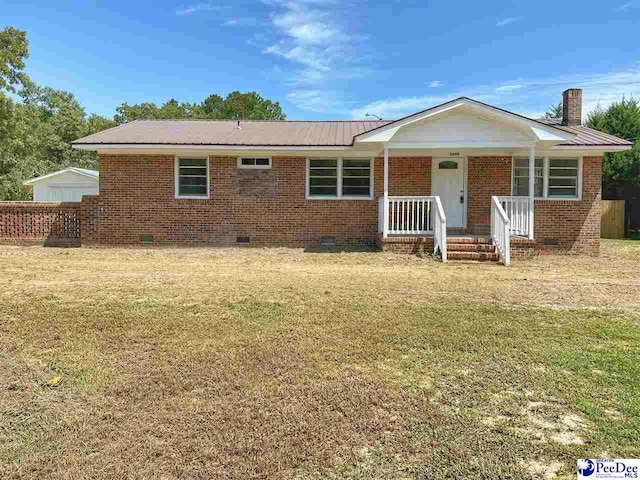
(251, 162)
(356, 178)
(521, 177)
(563, 178)
(192, 178)
(339, 178)
(448, 165)
(556, 178)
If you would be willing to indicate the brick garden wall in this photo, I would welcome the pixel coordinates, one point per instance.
(53, 224)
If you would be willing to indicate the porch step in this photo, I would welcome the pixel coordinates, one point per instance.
(453, 240)
(473, 256)
(470, 247)
(478, 249)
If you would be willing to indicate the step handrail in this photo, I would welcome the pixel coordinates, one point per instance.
(500, 230)
(440, 230)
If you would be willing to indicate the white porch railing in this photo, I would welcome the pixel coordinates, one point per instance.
(518, 210)
(415, 216)
(500, 230)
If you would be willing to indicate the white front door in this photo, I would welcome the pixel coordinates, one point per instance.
(447, 182)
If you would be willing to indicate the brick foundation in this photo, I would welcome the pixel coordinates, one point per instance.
(406, 245)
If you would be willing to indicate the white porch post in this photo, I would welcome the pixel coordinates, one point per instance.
(385, 203)
(532, 186)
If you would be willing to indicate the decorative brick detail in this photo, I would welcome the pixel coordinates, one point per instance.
(487, 176)
(250, 183)
(53, 224)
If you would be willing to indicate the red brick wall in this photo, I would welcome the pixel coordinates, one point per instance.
(575, 225)
(137, 197)
(487, 176)
(54, 224)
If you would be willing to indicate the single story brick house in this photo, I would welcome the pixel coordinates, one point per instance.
(463, 179)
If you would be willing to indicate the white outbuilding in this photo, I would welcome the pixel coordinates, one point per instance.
(68, 185)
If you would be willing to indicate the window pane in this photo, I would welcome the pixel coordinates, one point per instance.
(248, 161)
(356, 177)
(559, 182)
(356, 191)
(555, 162)
(323, 172)
(262, 161)
(570, 192)
(355, 163)
(202, 172)
(521, 177)
(199, 162)
(323, 191)
(323, 181)
(323, 163)
(563, 172)
(448, 165)
(193, 190)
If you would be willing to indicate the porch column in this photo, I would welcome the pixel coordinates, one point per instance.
(532, 186)
(385, 203)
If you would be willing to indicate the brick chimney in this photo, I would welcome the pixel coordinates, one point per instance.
(572, 107)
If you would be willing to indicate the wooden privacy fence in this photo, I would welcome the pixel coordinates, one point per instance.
(612, 220)
(51, 222)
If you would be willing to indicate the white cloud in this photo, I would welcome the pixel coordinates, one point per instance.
(624, 7)
(200, 7)
(435, 84)
(312, 36)
(507, 21)
(319, 101)
(530, 97)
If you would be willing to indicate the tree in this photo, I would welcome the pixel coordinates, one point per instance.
(14, 48)
(555, 111)
(621, 170)
(237, 105)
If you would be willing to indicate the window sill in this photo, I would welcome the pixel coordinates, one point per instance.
(339, 198)
(192, 197)
(261, 167)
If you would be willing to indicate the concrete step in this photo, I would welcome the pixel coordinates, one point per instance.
(474, 256)
(470, 247)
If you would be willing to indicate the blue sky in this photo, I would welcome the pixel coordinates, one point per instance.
(334, 59)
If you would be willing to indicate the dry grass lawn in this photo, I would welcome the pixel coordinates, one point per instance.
(216, 363)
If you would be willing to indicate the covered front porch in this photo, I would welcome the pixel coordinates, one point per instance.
(467, 207)
(470, 190)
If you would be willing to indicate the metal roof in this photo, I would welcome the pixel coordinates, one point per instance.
(226, 132)
(585, 136)
(285, 133)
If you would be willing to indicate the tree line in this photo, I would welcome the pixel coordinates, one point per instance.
(38, 123)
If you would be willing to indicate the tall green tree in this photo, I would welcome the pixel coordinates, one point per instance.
(14, 48)
(555, 111)
(237, 105)
(621, 170)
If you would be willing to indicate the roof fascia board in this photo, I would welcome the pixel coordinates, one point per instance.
(31, 181)
(542, 131)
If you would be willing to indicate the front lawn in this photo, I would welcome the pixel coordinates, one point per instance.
(217, 363)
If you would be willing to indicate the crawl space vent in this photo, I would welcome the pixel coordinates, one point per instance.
(551, 242)
(146, 238)
(327, 241)
(243, 240)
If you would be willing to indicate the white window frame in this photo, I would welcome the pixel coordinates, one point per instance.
(545, 178)
(308, 196)
(176, 168)
(253, 167)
